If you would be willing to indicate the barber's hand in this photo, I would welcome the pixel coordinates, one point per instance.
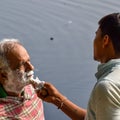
(49, 93)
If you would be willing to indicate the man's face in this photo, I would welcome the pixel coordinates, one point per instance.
(98, 46)
(16, 81)
(20, 71)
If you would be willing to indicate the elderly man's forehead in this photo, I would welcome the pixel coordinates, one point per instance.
(17, 49)
(7, 46)
(11, 45)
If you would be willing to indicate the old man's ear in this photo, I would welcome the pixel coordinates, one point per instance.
(3, 77)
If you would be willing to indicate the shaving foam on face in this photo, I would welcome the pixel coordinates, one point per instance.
(38, 84)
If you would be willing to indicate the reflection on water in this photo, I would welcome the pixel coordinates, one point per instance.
(58, 35)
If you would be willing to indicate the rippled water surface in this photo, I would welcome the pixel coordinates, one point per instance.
(59, 37)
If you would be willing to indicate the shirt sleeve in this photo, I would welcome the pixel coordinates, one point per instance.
(107, 101)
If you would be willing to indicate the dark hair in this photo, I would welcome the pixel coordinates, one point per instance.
(110, 25)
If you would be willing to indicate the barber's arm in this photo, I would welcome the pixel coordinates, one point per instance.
(50, 94)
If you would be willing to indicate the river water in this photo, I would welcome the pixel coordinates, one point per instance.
(59, 37)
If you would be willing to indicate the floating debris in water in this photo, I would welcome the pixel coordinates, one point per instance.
(69, 22)
(51, 38)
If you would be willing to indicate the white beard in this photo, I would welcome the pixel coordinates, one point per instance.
(17, 80)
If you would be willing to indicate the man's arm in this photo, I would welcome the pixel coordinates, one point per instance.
(55, 97)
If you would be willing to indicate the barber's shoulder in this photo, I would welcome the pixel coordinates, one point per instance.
(103, 86)
(109, 81)
(106, 87)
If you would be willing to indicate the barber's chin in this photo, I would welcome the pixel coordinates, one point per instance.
(96, 59)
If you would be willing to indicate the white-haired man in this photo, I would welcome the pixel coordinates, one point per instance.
(17, 99)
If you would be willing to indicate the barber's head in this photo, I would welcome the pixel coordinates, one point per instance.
(107, 40)
(15, 66)
(110, 25)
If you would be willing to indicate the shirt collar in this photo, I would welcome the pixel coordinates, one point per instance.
(106, 68)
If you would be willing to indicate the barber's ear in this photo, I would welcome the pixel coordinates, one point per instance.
(106, 41)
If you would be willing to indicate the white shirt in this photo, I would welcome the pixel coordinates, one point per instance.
(104, 102)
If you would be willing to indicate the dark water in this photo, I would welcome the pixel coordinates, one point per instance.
(67, 59)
